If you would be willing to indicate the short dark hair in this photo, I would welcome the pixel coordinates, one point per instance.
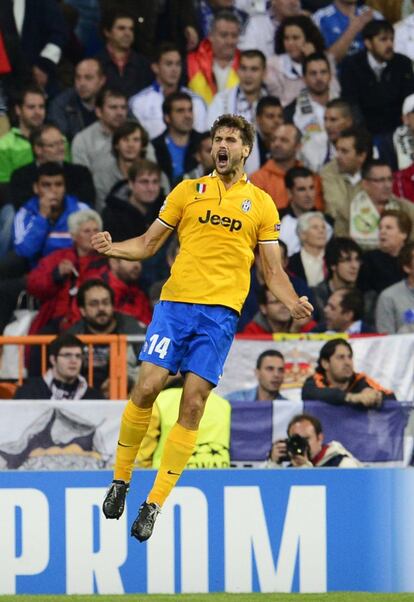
(92, 283)
(51, 168)
(21, 94)
(268, 353)
(265, 102)
(362, 139)
(328, 350)
(105, 93)
(369, 166)
(237, 122)
(352, 300)
(310, 31)
(171, 99)
(64, 340)
(225, 15)
(111, 15)
(296, 172)
(375, 27)
(164, 48)
(254, 54)
(126, 129)
(143, 166)
(403, 220)
(343, 105)
(315, 422)
(406, 254)
(337, 247)
(311, 58)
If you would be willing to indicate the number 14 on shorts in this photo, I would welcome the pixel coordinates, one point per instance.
(159, 347)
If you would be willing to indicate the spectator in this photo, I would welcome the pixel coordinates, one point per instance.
(395, 306)
(308, 109)
(344, 312)
(43, 34)
(48, 145)
(202, 155)
(296, 38)
(129, 144)
(63, 380)
(124, 69)
(176, 146)
(284, 148)
(319, 147)
(260, 29)
(403, 138)
(57, 277)
(316, 453)
(213, 439)
(300, 184)
(380, 267)
(73, 109)
(341, 24)
(309, 263)
(336, 382)
(370, 203)
(403, 41)
(341, 177)
(96, 304)
(133, 204)
(343, 257)
(95, 140)
(377, 79)
(243, 98)
(269, 373)
(273, 317)
(15, 148)
(147, 104)
(269, 116)
(213, 66)
(207, 8)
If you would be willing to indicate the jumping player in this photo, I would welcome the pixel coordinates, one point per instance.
(219, 220)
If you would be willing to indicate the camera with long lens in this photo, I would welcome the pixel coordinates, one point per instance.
(295, 446)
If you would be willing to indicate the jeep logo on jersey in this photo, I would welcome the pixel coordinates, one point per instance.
(246, 205)
(217, 220)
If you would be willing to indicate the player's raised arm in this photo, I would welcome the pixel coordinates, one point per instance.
(140, 247)
(279, 284)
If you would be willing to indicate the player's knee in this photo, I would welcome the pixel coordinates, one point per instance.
(148, 390)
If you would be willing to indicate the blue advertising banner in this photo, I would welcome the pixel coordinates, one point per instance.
(286, 530)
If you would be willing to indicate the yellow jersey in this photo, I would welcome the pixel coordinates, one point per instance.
(218, 230)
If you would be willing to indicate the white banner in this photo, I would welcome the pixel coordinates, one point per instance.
(388, 360)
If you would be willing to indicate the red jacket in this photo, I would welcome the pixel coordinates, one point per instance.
(129, 298)
(403, 185)
(57, 294)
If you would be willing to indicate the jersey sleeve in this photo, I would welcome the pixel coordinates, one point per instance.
(269, 227)
(172, 209)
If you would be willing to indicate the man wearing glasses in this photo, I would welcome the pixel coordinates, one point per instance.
(63, 380)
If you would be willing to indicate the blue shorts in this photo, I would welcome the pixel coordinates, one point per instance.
(190, 337)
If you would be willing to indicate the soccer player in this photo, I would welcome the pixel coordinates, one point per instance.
(219, 219)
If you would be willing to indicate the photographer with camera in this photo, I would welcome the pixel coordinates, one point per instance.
(304, 447)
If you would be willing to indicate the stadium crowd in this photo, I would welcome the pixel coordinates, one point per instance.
(106, 106)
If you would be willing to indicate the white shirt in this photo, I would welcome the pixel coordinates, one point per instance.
(221, 75)
(313, 266)
(404, 37)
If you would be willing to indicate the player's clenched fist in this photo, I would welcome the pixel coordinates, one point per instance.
(301, 309)
(102, 242)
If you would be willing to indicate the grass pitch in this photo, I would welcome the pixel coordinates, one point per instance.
(331, 597)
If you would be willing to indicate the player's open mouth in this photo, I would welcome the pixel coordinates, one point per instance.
(222, 158)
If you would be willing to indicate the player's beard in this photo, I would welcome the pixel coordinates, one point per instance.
(233, 164)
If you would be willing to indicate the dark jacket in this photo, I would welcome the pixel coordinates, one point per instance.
(316, 388)
(164, 157)
(378, 271)
(379, 101)
(68, 114)
(78, 179)
(36, 388)
(121, 218)
(136, 76)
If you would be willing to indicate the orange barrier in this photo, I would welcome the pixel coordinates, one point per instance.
(117, 357)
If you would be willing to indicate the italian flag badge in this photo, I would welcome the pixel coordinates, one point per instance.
(201, 187)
